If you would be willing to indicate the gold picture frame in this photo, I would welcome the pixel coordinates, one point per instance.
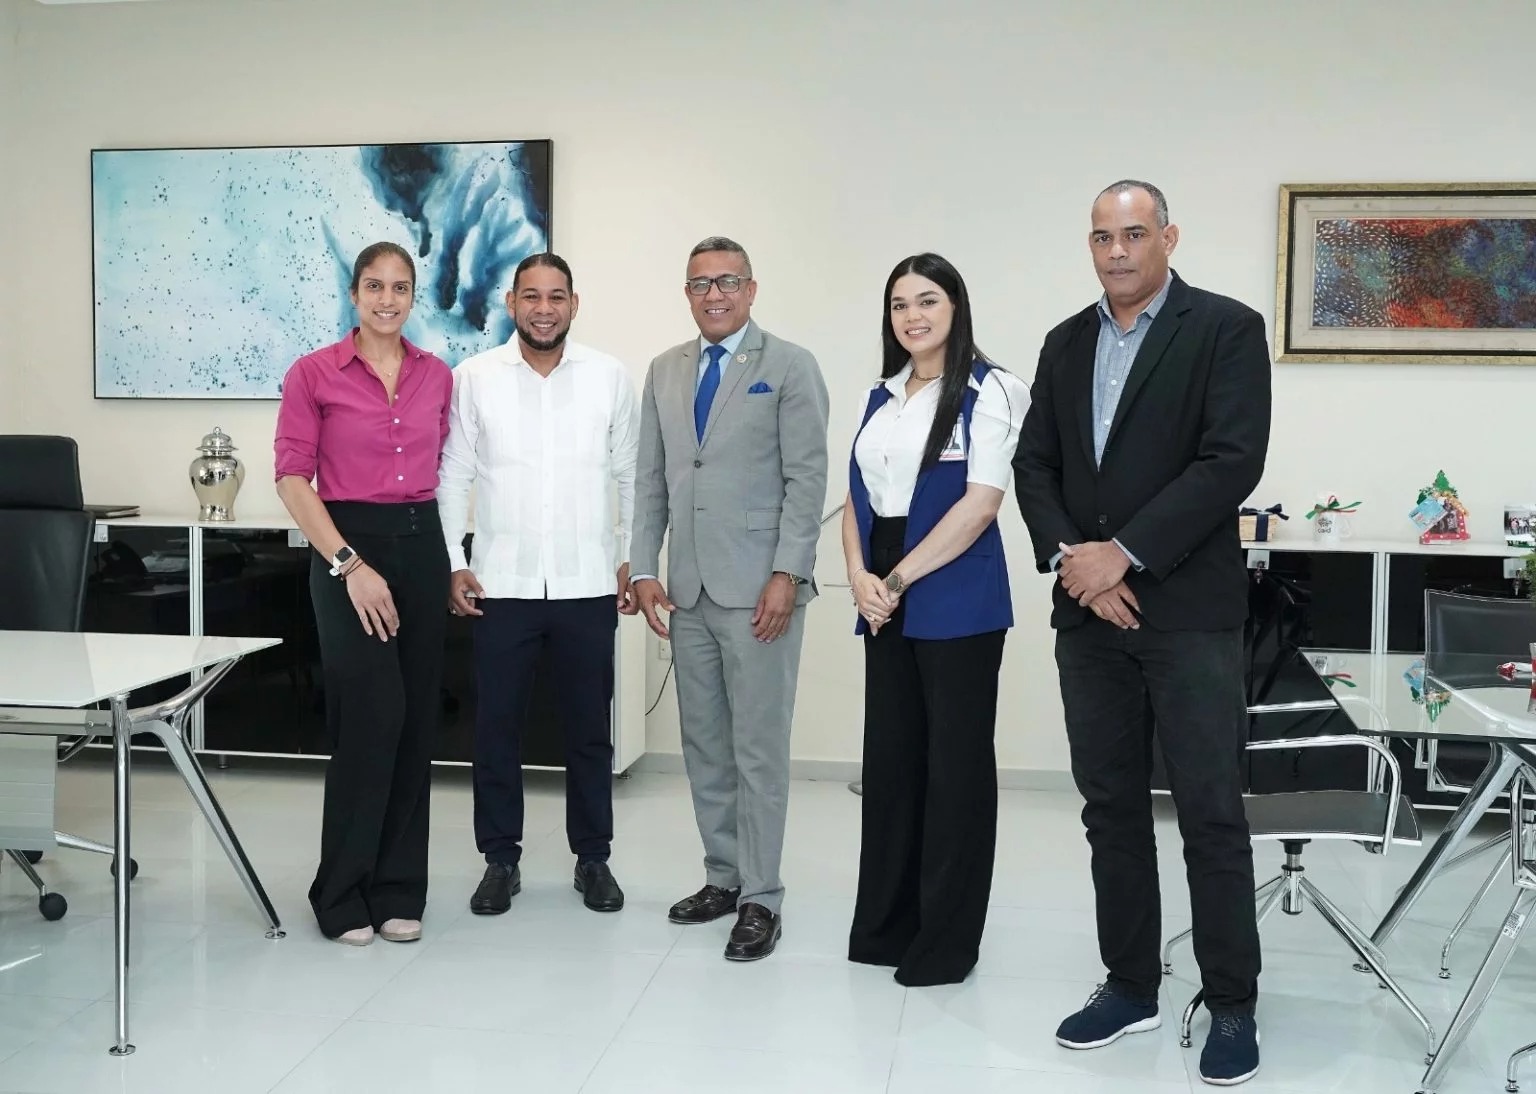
(1420, 273)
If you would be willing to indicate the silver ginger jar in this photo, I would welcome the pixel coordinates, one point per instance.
(216, 477)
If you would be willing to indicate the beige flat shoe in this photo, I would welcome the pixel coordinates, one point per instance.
(400, 930)
(360, 936)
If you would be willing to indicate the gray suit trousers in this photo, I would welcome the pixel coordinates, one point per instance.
(736, 700)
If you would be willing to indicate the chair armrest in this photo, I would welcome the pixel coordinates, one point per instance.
(1394, 771)
(1520, 833)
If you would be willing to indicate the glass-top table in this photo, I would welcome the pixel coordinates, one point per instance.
(1461, 697)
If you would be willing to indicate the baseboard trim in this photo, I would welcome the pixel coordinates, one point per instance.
(847, 771)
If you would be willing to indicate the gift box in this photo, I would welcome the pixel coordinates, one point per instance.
(1259, 525)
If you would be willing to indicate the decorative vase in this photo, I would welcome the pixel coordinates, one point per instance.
(216, 477)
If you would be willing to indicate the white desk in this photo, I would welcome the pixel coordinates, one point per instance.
(49, 680)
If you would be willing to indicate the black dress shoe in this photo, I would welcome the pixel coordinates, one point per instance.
(496, 890)
(755, 935)
(705, 906)
(594, 881)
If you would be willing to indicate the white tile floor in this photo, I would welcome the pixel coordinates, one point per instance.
(552, 998)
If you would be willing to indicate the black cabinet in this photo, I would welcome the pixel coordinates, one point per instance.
(273, 702)
(140, 583)
(1410, 575)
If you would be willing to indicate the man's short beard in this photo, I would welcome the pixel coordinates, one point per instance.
(542, 346)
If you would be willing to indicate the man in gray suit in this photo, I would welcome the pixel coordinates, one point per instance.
(733, 466)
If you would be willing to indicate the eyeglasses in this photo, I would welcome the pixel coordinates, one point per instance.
(699, 286)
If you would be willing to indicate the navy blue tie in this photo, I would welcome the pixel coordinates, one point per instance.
(709, 383)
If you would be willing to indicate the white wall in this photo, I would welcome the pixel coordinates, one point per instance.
(10, 258)
(832, 139)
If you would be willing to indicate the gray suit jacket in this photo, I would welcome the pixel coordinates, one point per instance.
(747, 501)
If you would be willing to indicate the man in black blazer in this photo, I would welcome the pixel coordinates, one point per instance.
(1147, 430)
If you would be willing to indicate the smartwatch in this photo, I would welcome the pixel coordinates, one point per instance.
(341, 558)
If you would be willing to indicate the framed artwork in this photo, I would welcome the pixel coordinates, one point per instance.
(1412, 272)
(216, 268)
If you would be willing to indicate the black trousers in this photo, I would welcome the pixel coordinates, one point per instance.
(508, 639)
(930, 795)
(383, 707)
(1115, 685)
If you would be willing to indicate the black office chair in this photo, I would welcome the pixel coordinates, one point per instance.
(45, 550)
(1465, 639)
(1375, 819)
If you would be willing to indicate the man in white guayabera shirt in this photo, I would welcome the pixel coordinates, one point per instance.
(545, 431)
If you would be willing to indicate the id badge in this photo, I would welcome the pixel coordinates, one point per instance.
(954, 448)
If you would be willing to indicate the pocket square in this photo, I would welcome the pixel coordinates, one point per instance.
(760, 388)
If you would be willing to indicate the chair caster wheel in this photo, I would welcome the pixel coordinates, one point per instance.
(1185, 1042)
(34, 857)
(1512, 1088)
(133, 868)
(53, 906)
(1167, 970)
(1445, 974)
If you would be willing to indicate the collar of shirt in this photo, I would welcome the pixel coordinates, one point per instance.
(346, 350)
(1154, 306)
(511, 352)
(731, 343)
(897, 386)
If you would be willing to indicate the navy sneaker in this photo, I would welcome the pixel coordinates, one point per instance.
(1231, 1053)
(1108, 1016)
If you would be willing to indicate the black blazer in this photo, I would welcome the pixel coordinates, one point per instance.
(1186, 448)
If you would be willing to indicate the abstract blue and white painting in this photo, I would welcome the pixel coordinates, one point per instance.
(217, 268)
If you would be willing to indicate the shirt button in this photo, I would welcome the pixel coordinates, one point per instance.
(397, 421)
(1103, 519)
(1106, 421)
(1121, 344)
(698, 463)
(399, 478)
(399, 450)
(1112, 383)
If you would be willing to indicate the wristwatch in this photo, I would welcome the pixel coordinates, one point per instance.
(894, 582)
(341, 558)
(794, 579)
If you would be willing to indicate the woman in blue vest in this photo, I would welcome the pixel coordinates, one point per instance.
(931, 462)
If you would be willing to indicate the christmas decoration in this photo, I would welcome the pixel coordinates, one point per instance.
(1451, 524)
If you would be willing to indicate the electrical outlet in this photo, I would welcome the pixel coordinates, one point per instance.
(296, 538)
(663, 650)
(100, 535)
(1258, 559)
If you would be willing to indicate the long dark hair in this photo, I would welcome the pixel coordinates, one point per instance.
(960, 351)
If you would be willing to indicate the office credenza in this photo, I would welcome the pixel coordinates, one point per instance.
(1364, 595)
(177, 576)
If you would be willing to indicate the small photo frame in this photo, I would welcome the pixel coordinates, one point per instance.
(1520, 525)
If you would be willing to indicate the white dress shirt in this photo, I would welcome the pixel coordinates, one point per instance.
(544, 456)
(890, 447)
(731, 343)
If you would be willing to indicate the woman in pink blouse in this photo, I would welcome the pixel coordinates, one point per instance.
(359, 436)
